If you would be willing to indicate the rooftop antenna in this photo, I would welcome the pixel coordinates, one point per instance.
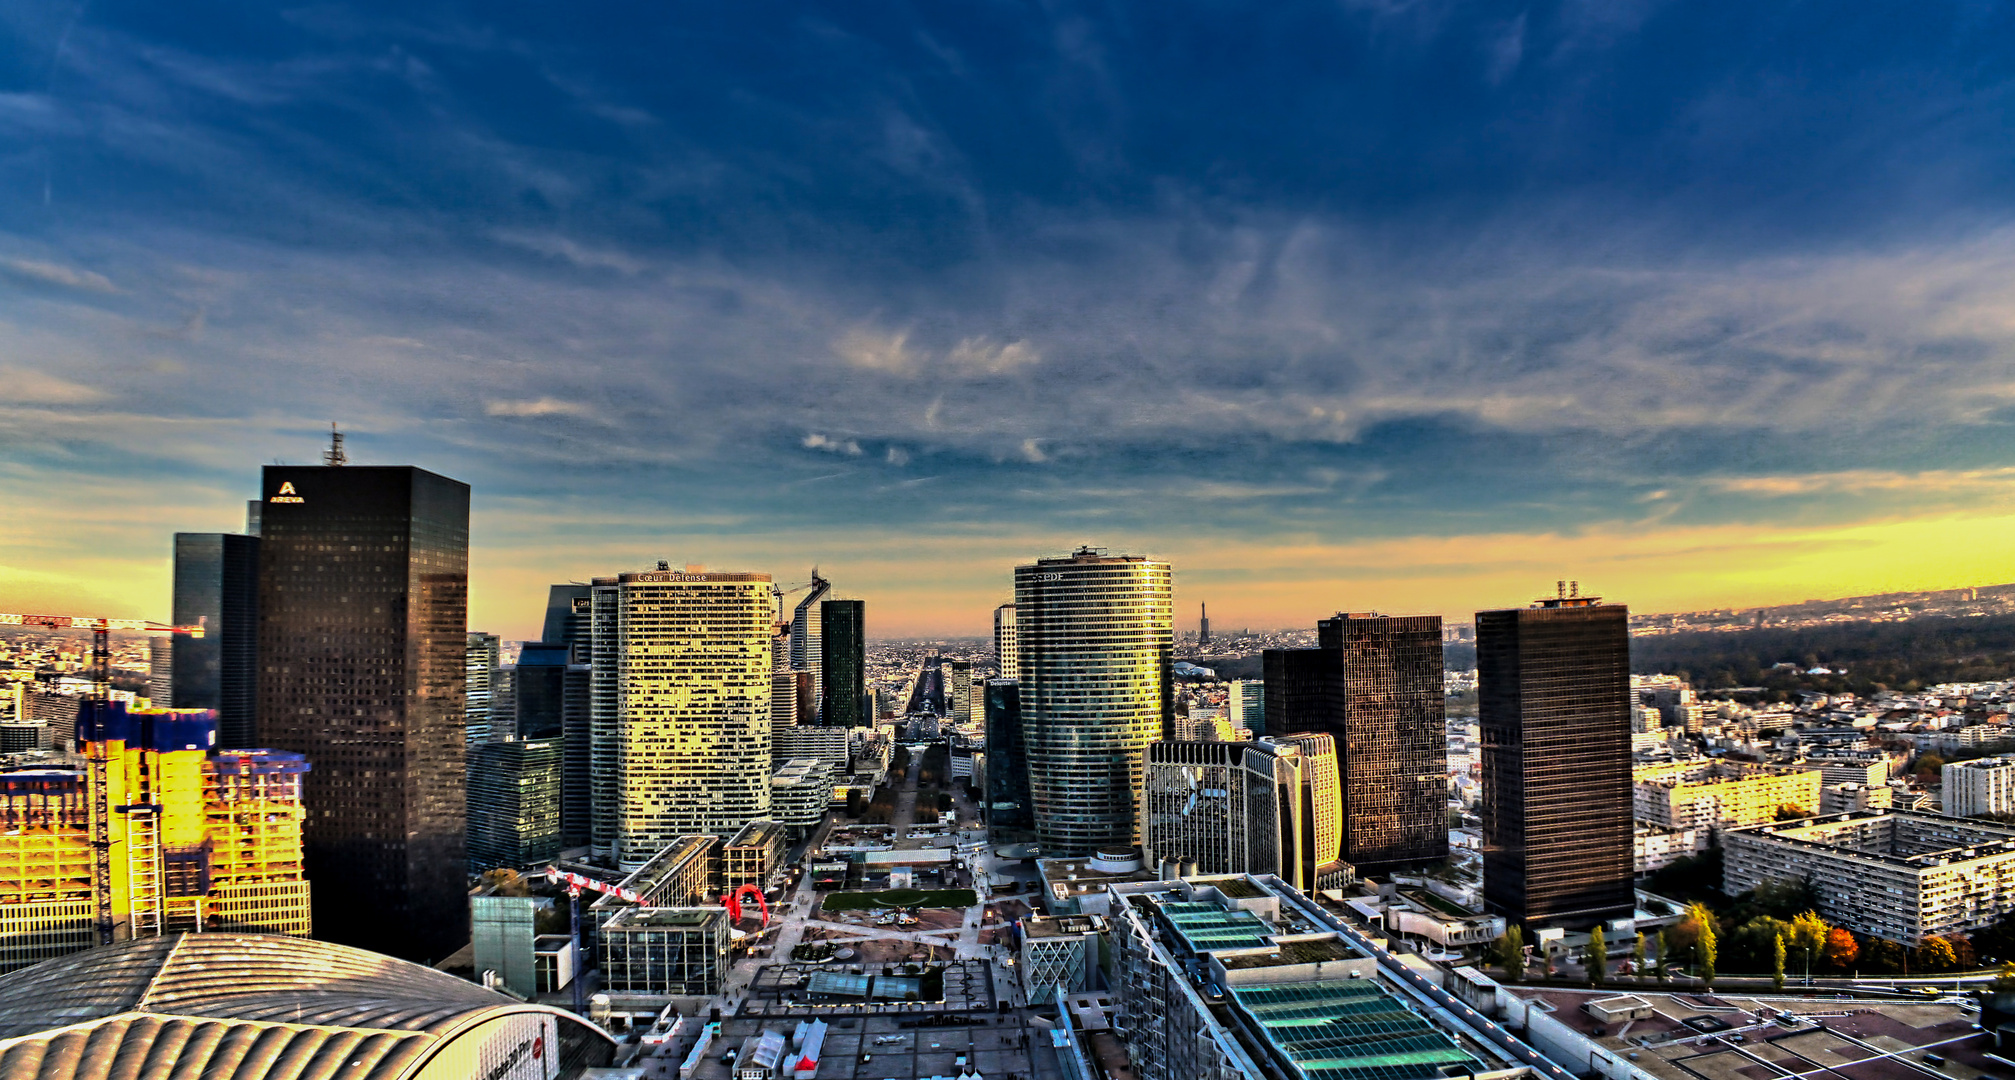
(334, 455)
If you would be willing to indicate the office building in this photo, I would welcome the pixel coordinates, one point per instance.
(1717, 795)
(807, 632)
(682, 717)
(1094, 637)
(1391, 739)
(1005, 650)
(1980, 786)
(1554, 704)
(480, 678)
(222, 851)
(363, 636)
(1374, 685)
(1245, 705)
(503, 933)
(569, 614)
(1202, 625)
(958, 676)
(1321, 812)
(1058, 955)
(1896, 874)
(217, 587)
(665, 952)
(569, 620)
(1244, 978)
(1226, 807)
(800, 792)
(514, 803)
(230, 1006)
(1005, 798)
(751, 856)
(828, 745)
(843, 646)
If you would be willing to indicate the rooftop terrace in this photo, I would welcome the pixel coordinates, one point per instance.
(1351, 1030)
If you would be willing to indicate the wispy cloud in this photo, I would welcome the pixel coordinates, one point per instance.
(831, 445)
(49, 273)
(544, 406)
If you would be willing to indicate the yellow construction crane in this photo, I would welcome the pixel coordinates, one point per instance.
(101, 694)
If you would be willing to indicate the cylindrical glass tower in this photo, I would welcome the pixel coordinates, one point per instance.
(1094, 634)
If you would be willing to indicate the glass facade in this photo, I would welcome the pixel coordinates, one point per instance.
(1391, 743)
(363, 623)
(1554, 701)
(514, 803)
(1007, 801)
(217, 585)
(843, 653)
(685, 707)
(1094, 638)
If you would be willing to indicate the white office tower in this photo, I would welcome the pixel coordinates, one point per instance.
(1228, 807)
(1093, 634)
(1980, 786)
(681, 707)
(808, 640)
(484, 654)
(1004, 642)
(1246, 706)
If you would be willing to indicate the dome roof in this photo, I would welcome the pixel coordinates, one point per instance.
(250, 1006)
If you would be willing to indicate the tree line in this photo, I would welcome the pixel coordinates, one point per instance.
(1905, 656)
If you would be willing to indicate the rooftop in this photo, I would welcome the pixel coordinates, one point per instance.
(1349, 1030)
(757, 834)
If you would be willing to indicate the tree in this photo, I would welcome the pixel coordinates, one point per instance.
(1637, 957)
(1664, 954)
(1598, 956)
(1883, 957)
(1840, 950)
(1510, 953)
(1807, 936)
(1777, 962)
(1791, 811)
(2005, 981)
(1704, 946)
(1965, 957)
(1935, 954)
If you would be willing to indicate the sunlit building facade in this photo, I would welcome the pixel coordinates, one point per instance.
(221, 849)
(683, 708)
(1094, 638)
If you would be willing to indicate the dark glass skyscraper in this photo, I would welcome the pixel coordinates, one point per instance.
(1391, 744)
(569, 611)
(844, 656)
(514, 803)
(1006, 780)
(363, 617)
(1555, 710)
(1373, 684)
(217, 584)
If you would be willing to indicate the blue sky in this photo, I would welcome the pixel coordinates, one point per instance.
(1418, 306)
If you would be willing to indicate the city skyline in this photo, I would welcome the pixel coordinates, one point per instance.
(1559, 294)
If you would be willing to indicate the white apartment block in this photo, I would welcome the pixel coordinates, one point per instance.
(1895, 874)
(1719, 795)
(680, 707)
(1981, 786)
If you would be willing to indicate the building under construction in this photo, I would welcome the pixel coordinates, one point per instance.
(200, 838)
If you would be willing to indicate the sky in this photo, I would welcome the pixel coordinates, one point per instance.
(1362, 304)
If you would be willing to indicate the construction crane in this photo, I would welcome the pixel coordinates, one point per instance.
(101, 697)
(575, 883)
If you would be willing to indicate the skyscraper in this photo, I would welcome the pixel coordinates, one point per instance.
(1391, 742)
(363, 623)
(514, 802)
(1554, 703)
(843, 648)
(569, 613)
(217, 585)
(807, 651)
(1374, 685)
(1006, 781)
(1094, 635)
(480, 676)
(1203, 624)
(1245, 705)
(685, 706)
(1004, 642)
(541, 683)
(958, 676)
